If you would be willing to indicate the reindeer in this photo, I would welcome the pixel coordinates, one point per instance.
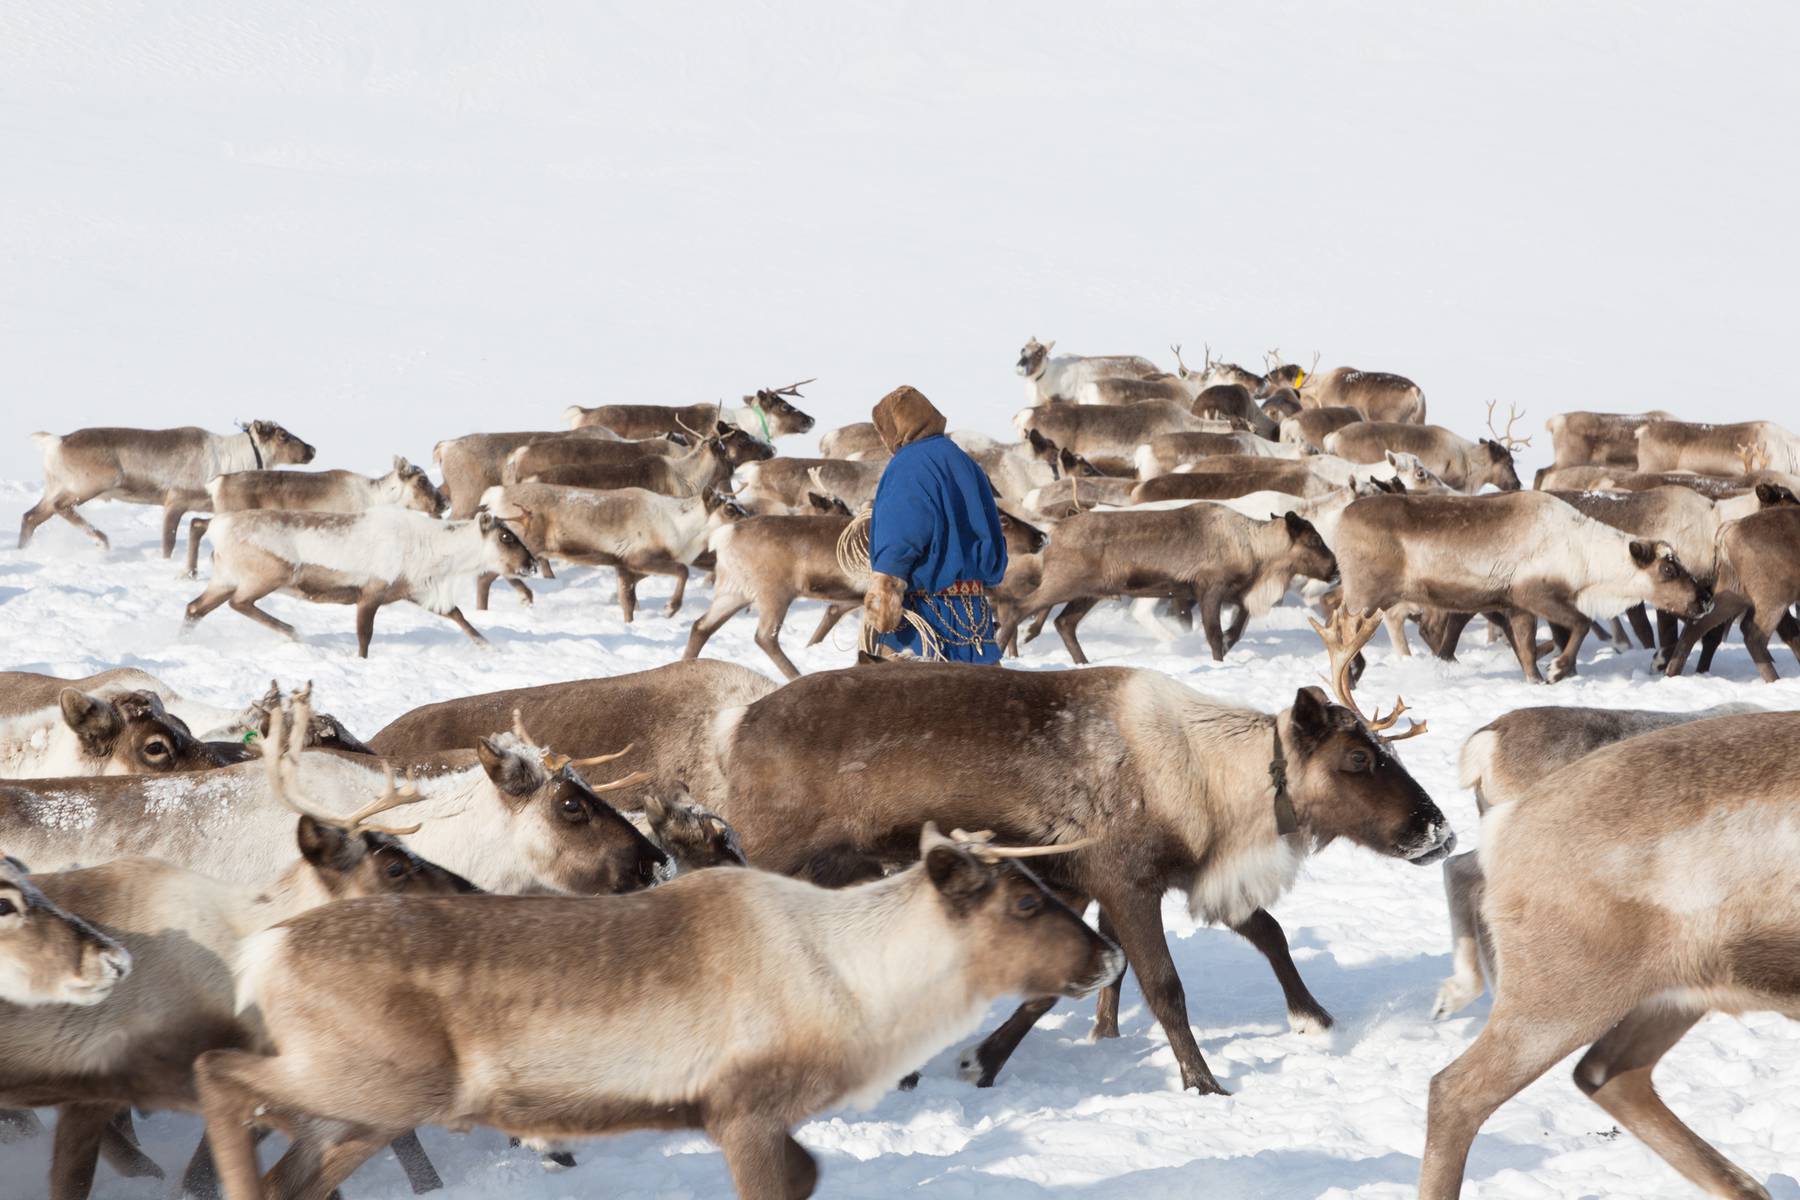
(1378, 395)
(1627, 896)
(1309, 427)
(475, 462)
(1014, 469)
(1226, 476)
(108, 732)
(1049, 380)
(744, 1041)
(858, 442)
(1214, 372)
(182, 932)
(1716, 449)
(767, 415)
(1464, 465)
(634, 531)
(367, 559)
(708, 465)
(550, 453)
(405, 486)
(1439, 552)
(781, 485)
(49, 956)
(1501, 762)
(1758, 580)
(1599, 439)
(1166, 452)
(1107, 436)
(168, 467)
(1217, 556)
(665, 714)
(840, 769)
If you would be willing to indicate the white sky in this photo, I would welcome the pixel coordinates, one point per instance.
(386, 224)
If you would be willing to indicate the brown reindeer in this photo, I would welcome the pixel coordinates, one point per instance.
(1466, 466)
(708, 465)
(1205, 551)
(1378, 395)
(1107, 436)
(1439, 552)
(838, 770)
(167, 467)
(1716, 449)
(767, 415)
(1311, 426)
(1167, 452)
(49, 956)
(1600, 439)
(548, 453)
(741, 1035)
(1759, 579)
(781, 484)
(475, 462)
(1627, 896)
(858, 442)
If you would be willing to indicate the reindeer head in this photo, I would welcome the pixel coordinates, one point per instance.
(1308, 555)
(504, 546)
(1022, 939)
(573, 839)
(693, 836)
(132, 734)
(1664, 584)
(278, 447)
(47, 955)
(1021, 538)
(413, 489)
(1033, 357)
(737, 447)
(1414, 476)
(777, 408)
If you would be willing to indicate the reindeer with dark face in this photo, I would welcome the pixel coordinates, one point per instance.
(767, 415)
(367, 559)
(168, 467)
(49, 955)
(1166, 788)
(100, 733)
(1378, 395)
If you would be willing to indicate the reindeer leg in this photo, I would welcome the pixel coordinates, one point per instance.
(34, 516)
(723, 608)
(456, 618)
(768, 636)
(76, 1149)
(1726, 609)
(1240, 617)
(1069, 619)
(1305, 1014)
(67, 512)
(981, 1064)
(196, 530)
(765, 1161)
(421, 1176)
(119, 1147)
(1709, 645)
(1395, 620)
(1789, 631)
(1668, 632)
(1106, 1001)
(246, 606)
(1037, 624)
(484, 585)
(834, 612)
(1463, 882)
(1757, 628)
(1521, 629)
(628, 581)
(1210, 604)
(680, 574)
(1615, 1073)
(523, 592)
(1564, 664)
(365, 625)
(1137, 914)
(1639, 616)
(173, 510)
(1450, 634)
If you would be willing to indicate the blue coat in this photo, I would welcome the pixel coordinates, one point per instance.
(934, 524)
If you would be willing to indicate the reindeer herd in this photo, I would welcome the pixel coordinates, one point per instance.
(471, 917)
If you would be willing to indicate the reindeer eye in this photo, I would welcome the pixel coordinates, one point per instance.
(156, 749)
(572, 809)
(1027, 905)
(8, 908)
(1358, 760)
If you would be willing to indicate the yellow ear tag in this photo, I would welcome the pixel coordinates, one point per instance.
(1299, 377)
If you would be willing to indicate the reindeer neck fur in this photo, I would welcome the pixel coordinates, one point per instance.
(747, 417)
(1211, 790)
(296, 890)
(1612, 582)
(699, 466)
(891, 954)
(40, 745)
(235, 452)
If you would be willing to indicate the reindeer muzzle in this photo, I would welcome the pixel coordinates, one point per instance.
(1441, 845)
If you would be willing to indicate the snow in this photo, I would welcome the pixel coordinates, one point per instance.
(388, 224)
(1335, 1115)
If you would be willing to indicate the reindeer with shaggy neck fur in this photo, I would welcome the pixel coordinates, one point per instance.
(833, 775)
(786, 999)
(1628, 895)
(1049, 380)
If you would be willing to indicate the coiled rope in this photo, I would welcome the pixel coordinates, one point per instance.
(853, 560)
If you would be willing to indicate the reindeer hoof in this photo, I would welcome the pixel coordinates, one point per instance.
(1104, 1030)
(970, 1070)
(910, 1082)
(1312, 1024)
(1455, 995)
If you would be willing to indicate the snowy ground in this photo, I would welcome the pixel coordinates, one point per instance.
(1335, 1116)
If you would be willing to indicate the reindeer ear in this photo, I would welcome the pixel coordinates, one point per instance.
(485, 521)
(1309, 719)
(1296, 524)
(1038, 441)
(720, 429)
(328, 847)
(1643, 553)
(510, 771)
(958, 877)
(95, 721)
(1391, 460)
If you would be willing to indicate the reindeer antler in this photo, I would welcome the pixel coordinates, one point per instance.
(1181, 368)
(556, 762)
(1344, 637)
(1512, 418)
(980, 845)
(1209, 357)
(1754, 458)
(1272, 359)
(792, 389)
(288, 724)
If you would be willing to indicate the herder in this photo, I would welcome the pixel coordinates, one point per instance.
(935, 544)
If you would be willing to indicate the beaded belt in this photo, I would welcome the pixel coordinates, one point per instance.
(962, 587)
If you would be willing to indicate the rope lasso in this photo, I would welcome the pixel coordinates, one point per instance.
(853, 560)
